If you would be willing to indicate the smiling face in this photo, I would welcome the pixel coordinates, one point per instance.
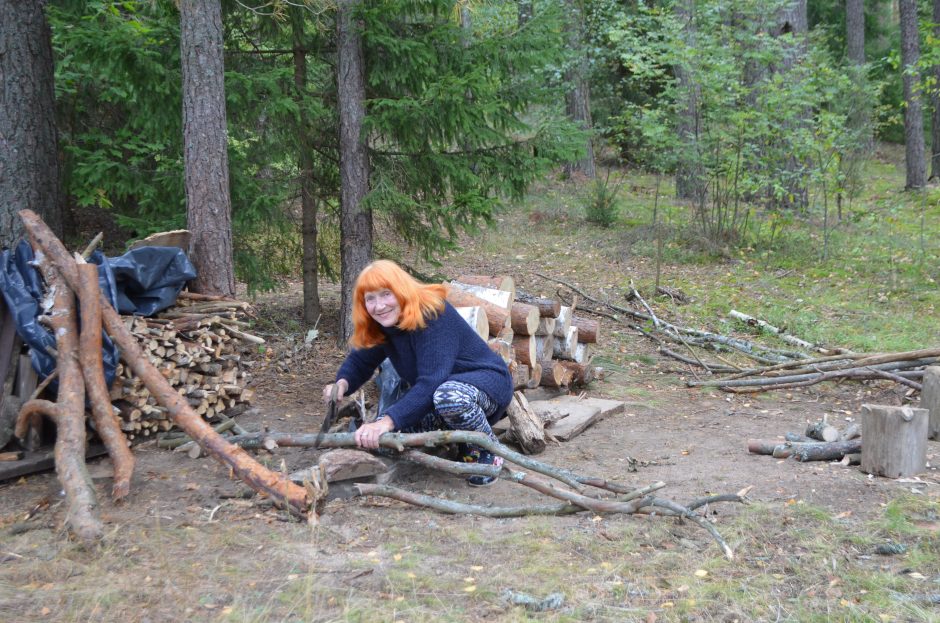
(383, 307)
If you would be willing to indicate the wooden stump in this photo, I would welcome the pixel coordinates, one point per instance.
(930, 400)
(895, 440)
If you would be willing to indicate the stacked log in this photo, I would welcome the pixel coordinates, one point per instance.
(196, 347)
(543, 342)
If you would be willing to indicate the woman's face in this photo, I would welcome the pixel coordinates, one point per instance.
(383, 307)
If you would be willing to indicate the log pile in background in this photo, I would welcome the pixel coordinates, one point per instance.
(543, 342)
(196, 346)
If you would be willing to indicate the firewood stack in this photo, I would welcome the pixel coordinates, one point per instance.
(196, 347)
(543, 342)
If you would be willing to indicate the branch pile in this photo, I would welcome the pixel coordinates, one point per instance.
(573, 497)
(820, 442)
(779, 368)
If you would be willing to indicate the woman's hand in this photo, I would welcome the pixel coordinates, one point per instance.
(341, 386)
(367, 435)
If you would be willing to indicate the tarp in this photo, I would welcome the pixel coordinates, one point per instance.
(143, 281)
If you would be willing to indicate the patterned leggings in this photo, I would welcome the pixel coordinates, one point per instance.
(458, 406)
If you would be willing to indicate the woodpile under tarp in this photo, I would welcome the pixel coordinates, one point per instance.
(185, 364)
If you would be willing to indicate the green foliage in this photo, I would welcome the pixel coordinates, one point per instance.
(769, 132)
(458, 121)
(601, 206)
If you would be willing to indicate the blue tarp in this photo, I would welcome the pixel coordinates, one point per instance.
(143, 281)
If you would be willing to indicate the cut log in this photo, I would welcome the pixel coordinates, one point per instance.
(527, 428)
(581, 374)
(554, 374)
(497, 317)
(501, 348)
(583, 353)
(930, 400)
(588, 329)
(817, 450)
(822, 431)
(343, 464)
(763, 446)
(498, 282)
(895, 440)
(566, 347)
(544, 346)
(535, 376)
(525, 319)
(563, 321)
(476, 318)
(548, 308)
(546, 326)
(500, 298)
(520, 375)
(523, 346)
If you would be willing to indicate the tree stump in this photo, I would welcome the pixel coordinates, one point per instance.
(930, 400)
(895, 440)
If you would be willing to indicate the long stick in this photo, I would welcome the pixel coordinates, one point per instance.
(275, 485)
(105, 423)
(68, 413)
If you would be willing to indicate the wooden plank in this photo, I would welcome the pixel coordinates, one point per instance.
(42, 461)
(570, 416)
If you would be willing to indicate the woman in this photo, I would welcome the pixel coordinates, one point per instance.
(456, 381)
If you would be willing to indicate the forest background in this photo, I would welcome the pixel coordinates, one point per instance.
(423, 120)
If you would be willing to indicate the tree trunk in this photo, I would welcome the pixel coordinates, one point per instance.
(356, 218)
(578, 97)
(29, 166)
(690, 178)
(860, 112)
(308, 200)
(935, 100)
(913, 111)
(792, 20)
(205, 147)
(525, 11)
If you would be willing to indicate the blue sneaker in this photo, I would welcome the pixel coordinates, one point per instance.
(484, 457)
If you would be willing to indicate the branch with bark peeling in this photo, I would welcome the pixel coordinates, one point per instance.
(626, 500)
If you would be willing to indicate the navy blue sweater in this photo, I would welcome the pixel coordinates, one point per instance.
(447, 349)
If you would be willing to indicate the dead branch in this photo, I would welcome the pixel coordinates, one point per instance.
(105, 423)
(277, 486)
(68, 412)
(781, 333)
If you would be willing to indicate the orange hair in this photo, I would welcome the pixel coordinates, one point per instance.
(418, 301)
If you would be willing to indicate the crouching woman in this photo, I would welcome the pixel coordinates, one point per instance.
(453, 380)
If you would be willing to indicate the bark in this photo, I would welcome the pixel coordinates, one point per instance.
(308, 200)
(355, 217)
(914, 158)
(690, 176)
(93, 373)
(527, 427)
(935, 100)
(29, 166)
(588, 329)
(578, 97)
(855, 31)
(818, 451)
(68, 412)
(205, 147)
(272, 484)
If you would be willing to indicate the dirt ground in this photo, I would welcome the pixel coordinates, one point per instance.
(188, 546)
